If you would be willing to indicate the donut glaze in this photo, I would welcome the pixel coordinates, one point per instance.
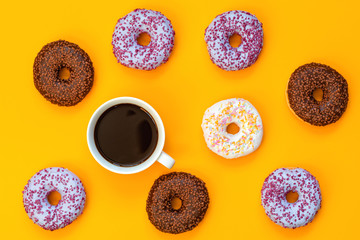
(37, 206)
(125, 47)
(48, 63)
(194, 197)
(220, 115)
(219, 31)
(279, 210)
(304, 81)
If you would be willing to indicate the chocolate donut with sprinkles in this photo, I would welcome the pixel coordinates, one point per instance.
(37, 206)
(131, 54)
(194, 202)
(54, 57)
(273, 197)
(219, 31)
(236, 111)
(302, 84)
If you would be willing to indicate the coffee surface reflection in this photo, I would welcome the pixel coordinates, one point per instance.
(126, 135)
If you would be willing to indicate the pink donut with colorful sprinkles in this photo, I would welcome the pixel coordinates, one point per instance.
(273, 197)
(131, 54)
(232, 111)
(219, 31)
(37, 206)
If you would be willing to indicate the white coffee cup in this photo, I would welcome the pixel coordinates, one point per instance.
(157, 155)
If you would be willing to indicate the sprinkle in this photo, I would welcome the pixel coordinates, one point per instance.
(68, 208)
(273, 197)
(304, 81)
(50, 60)
(220, 115)
(194, 198)
(125, 47)
(219, 31)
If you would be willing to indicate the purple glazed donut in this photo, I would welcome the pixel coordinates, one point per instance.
(131, 54)
(37, 206)
(219, 31)
(273, 197)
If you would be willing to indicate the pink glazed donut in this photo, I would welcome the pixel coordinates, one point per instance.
(219, 31)
(37, 206)
(279, 210)
(125, 47)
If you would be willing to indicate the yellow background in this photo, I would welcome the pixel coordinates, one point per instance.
(36, 134)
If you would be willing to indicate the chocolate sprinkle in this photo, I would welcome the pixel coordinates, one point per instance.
(304, 81)
(194, 197)
(50, 60)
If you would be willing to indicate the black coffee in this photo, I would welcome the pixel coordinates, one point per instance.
(126, 135)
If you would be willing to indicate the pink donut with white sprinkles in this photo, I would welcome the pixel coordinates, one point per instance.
(273, 197)
(37, 206)
(232, 111)
(131, 54)
(219, 31)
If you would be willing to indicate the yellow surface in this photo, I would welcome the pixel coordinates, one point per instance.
(36, 134)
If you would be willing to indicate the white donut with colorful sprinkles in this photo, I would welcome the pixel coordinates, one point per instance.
(131, 54)
(273, 197)
(219, 31)
(37, 206)
(240, 112)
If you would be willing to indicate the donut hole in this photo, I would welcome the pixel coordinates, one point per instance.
(143, 39)
(235, 40)
(176, 203)
(292, 197)
(232, 128)
(318, 94)
(54, 198)
(64, 73)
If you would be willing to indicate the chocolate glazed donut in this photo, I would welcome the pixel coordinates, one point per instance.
(50, 60)
(193, 195)
(304, 81)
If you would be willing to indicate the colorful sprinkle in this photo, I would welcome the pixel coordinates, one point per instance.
(220, 115)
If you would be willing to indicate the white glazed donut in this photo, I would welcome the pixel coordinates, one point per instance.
(37, 206)
(220, 115)
(219, 31)
(273, 197)
(125, 47)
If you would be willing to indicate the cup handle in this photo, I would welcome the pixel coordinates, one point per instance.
(166, 160)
